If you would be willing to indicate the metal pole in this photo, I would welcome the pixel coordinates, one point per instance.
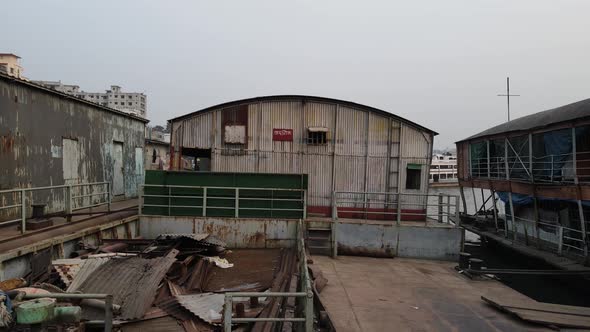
(552, 168)
(110, 198)
(23, 211)
(69, 203)
(531, 157)
(577, 183)
(463, 199)
(140, 203)
(204, 202)
(474, 201)
(108, 315)
(448, 209)
(514, 230)
(457, 213)
(440, 208)
(237, 202)
(227, 312)
(309, 311)
(169, 199)
(334, 207)
(537, 219)
(508, 95)
(304, 204)
(399, 207)
(494, 207)
(559, 240)
(488, 153)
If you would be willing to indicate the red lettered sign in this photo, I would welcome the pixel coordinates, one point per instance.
(282, 134)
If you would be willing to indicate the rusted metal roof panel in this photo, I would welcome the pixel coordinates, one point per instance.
(85, 269)
(133, 282)
(166, 323)
(207, 306)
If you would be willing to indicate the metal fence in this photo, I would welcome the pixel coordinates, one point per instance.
(245, 202)
(553, 168)
(305, 293)
(564, 239)
(397, 207)
(16, 203)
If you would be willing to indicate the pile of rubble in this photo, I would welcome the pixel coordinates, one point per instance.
(172, 283)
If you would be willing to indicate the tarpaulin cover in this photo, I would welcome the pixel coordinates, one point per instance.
(520, 199)
(558, 144)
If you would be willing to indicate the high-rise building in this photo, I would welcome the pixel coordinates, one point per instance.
(128, 102)
(9, 63)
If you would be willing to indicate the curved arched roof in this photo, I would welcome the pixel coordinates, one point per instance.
(545, 119)
(303, 98)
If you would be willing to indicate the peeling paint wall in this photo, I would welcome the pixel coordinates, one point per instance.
(35, 124)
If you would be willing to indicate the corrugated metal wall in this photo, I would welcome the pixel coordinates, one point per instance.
(362, 154)
(38, 129)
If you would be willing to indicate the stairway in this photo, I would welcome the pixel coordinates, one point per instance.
(319, 239)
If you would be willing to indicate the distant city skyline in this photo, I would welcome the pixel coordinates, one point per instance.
(440, 64)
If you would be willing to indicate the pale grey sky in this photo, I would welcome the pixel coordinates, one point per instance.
(438, 63)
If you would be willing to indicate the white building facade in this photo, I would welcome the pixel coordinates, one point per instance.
(129, 102)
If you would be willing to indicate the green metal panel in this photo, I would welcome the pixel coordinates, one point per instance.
(221, 202)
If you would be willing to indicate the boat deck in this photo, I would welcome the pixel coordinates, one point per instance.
(381, 294)
(548, 257)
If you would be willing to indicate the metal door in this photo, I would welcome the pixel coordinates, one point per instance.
(118, 179)
(71, 161)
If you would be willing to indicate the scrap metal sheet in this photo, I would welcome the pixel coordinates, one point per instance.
(132, 281)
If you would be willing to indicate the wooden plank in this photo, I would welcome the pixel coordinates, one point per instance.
(540, 306)
(550, 318)
(544, 313)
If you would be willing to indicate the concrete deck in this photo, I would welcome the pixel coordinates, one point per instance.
(380, 294)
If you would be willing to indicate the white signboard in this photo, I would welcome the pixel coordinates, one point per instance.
(235, 134)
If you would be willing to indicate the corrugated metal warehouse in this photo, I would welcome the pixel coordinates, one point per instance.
(341, 145)
(51, 138)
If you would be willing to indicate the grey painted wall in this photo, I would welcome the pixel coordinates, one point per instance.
(34, 123)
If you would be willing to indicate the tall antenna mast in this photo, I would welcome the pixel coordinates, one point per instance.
(508, 95)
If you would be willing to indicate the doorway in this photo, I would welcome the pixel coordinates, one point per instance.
(118, 178)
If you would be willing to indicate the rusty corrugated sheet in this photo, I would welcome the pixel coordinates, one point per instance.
(166, 323)
(206, 306)
(67, 269)
(133, 282)
(86, 268)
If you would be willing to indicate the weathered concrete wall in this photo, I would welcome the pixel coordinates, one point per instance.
(39, 127)
(237, 233)
(441, 243)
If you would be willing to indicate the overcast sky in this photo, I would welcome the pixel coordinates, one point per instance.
(438, 63)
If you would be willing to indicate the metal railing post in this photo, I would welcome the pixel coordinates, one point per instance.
(304, 204)
(69, 203)
(140, 203)
(204, 202)
(457, 212)
(552, 168)
(399, 208)
(169, 199)
(23, 211)
(334, 206)
(110, 197)
(309, 311)
(227, 312)
(560, 240)
(108, 315)
(448, 209)
(237, 202)
(440, 207)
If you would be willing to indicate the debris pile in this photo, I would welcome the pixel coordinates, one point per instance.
(174, 283)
